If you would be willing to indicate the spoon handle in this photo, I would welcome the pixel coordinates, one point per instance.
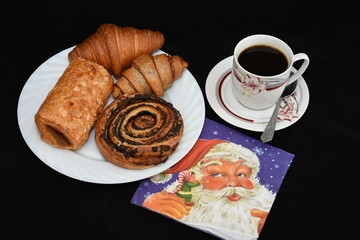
(268, 133)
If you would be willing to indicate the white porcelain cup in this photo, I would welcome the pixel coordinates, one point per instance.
(261, 92)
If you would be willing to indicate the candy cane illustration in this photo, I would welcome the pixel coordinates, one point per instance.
(183, 176)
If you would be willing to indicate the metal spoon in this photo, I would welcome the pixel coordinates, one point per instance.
(268, 133)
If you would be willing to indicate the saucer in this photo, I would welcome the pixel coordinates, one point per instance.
(223, 102)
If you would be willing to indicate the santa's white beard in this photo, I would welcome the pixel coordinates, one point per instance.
(213, 208)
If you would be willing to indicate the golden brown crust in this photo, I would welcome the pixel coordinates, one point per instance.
(136, 79)
(146, 66)
(164, 68)
(116, 47)
(150, 75)
(138, 131)
(70, 109)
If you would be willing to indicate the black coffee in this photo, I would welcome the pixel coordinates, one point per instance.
(263, 60)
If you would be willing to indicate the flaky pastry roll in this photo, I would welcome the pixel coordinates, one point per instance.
(69, 111)
(138, 131)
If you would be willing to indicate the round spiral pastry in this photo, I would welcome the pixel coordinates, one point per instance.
(138, 131)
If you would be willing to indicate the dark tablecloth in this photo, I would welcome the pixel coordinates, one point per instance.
(318, 197)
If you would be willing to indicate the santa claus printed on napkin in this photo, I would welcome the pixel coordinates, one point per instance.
(217, 187)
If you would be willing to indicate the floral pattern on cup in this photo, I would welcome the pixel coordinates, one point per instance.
(252, 85)
(288, 109)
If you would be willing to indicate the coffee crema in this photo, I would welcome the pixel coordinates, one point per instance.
(263, 60)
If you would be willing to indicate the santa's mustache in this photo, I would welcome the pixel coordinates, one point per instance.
(228, 191)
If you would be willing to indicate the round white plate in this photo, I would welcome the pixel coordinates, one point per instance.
(87, 164)
(222, 100)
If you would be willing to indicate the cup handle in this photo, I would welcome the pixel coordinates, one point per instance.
(297, 57)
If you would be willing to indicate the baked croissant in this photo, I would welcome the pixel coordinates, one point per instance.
(115, 47)
(150, 74)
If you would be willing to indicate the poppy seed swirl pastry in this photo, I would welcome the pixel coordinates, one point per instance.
(138, 131)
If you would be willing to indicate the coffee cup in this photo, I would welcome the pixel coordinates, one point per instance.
(261, 70)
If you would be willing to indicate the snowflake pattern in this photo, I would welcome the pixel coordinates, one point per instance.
(147, 194)
(258, 151)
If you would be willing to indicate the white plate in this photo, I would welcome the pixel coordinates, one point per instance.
(87, 164)
(222, 100)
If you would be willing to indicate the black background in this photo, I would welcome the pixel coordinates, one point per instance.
(318, 196)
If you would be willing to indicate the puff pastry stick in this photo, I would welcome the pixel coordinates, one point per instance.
(69, 111)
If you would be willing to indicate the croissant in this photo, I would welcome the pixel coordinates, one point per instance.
(115, 47)
(150, 74)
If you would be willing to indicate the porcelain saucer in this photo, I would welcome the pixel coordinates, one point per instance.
(223, 102)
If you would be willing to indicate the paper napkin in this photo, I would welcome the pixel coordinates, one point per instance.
(225, 185)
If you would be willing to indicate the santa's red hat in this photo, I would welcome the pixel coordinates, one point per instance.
(202, 148)
(198, 151)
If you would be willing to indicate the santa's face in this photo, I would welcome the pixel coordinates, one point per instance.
(227, 195)
(226, 174)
